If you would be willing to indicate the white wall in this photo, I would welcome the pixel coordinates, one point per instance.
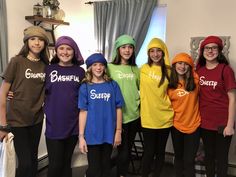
(16, 12)
(191, 18)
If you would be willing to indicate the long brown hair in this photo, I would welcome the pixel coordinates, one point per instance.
(164, 68)
(189, 83)
(43, 55)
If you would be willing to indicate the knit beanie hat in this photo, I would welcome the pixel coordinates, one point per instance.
(35, 31)
(158, 43)
(183, 57)
(69, 41)
(122, 40)
(211, 39)
(96, 58)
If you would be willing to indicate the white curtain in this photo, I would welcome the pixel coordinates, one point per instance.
(3, 36)
(114, 18)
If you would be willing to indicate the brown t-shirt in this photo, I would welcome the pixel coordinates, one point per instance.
(27, 84)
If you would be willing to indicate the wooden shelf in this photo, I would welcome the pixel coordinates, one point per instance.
(36, 20)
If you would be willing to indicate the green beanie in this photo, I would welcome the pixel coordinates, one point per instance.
(122, 40)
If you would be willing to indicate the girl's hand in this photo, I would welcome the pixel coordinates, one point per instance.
(3, 135)
(83, 145)
(10, 95)
(117, 139)
(228, 131)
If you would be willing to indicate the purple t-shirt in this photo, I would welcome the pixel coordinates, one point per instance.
(213, 97)
(61, 91)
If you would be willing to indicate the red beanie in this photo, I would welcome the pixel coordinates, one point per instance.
(211, 39)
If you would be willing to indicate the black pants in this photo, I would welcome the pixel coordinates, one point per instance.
(124, 150)
(99, 162)
(216, 148)
(26, 142)
(60, 154)
(185, 149)
(154, 150)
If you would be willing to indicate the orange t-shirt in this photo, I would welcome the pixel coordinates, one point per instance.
(186, 108)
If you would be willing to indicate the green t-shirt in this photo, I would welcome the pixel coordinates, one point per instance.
(127, 78)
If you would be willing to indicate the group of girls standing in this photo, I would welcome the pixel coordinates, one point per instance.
(110, 102)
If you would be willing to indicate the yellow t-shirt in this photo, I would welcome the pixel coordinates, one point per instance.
(156, 109)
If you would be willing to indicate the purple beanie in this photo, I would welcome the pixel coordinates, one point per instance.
(69, 41)
(96, 58)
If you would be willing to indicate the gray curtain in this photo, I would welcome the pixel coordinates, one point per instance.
(114, 18)
(3, 37)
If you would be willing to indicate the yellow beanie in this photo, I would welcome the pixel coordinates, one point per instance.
(158, 43)
(35, 31)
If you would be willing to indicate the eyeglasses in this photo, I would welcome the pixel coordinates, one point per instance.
(213, 48)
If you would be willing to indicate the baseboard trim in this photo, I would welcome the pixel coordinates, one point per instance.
(42, 162)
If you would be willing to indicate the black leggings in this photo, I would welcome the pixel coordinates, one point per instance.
(154, 150)
(185, 149)
(60, 153)
(99, 162)
(124, 150)
(26, 142)
(216, 148)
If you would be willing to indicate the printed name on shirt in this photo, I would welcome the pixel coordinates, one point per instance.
(181, 92)
(207, 83)
(30, 75)
(122, 75)
(63, 78)
(153, 76)
(94, 95)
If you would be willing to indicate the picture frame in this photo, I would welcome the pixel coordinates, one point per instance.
(51, 37)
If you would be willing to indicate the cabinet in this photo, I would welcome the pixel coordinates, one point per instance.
(37, 20)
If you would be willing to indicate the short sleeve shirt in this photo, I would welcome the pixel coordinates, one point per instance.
(27, 84)
(213, 99)
(101, 101)
(61, 91)
(127, 78)
(156, 108)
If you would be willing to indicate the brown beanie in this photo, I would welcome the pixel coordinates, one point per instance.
(35, 31)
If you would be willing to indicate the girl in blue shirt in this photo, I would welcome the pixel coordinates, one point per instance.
(100, 118)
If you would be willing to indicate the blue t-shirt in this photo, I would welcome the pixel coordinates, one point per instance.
(100, 100)
(61, 90)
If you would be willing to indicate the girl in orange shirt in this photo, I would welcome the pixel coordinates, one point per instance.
(183, 93)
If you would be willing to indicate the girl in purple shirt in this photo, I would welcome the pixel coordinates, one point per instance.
(63, 79)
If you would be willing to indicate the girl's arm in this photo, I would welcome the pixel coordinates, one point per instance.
(5, 87)
(229, 129)
(117, 139)
(82, 122)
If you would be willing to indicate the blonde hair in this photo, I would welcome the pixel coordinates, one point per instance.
(89, 76)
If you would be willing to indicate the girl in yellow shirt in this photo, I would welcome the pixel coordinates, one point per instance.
(156, 110)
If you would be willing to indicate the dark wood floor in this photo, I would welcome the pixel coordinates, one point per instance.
(80, 171)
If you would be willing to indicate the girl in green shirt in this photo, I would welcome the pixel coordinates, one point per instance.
(125, 72)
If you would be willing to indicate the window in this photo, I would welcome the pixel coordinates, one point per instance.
(157, 29)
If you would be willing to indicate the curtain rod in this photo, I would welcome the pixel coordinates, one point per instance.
(89, 2)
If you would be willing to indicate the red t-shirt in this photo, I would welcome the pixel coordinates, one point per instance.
(213, 99)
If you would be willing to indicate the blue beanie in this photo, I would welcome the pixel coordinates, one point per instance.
(95, 58)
